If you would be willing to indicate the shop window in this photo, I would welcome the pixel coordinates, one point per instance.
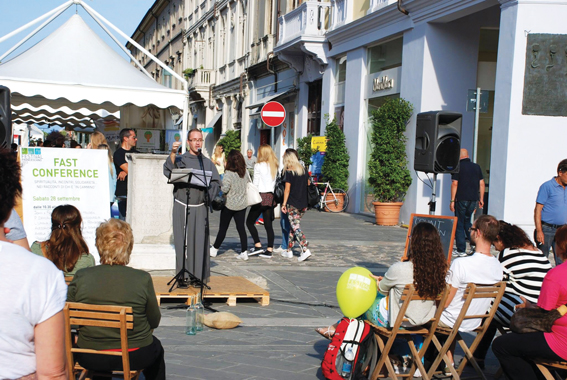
(385, 56)
(314, 108)
(340, 81)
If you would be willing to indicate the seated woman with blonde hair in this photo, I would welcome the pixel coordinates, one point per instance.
(113, 283)
(65, 247)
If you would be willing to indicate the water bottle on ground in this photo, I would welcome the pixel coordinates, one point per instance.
(347, 365)
(199, 314)
(191, 323)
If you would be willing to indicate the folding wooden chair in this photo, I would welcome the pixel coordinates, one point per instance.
(472, 292)
(542, 364)
(116, 317)
(385, 337)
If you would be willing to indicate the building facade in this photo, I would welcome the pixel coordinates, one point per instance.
(344, 58)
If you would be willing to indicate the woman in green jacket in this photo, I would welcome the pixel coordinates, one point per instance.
(113, 283)
(65, 247)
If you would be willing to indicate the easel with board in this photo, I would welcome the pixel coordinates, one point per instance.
(446, 226)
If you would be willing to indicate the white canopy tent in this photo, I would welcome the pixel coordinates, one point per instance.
(73, 75)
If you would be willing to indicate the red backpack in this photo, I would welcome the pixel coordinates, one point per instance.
(352, 352)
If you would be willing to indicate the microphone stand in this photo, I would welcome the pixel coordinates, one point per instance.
(208, 206)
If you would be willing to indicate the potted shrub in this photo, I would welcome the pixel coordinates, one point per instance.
(388, 166)
(335, 166)
(230, 141)
(304, 150)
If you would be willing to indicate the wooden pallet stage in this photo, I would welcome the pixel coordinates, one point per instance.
(231, 288)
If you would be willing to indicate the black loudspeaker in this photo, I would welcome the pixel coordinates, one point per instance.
(438, 142)
(5, 118)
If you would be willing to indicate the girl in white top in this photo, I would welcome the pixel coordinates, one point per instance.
(265, 172)
(218, 160)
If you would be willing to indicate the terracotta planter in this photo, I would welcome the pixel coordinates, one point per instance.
(331, 205)
(387, 214)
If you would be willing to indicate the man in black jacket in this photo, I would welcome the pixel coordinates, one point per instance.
(467, 191)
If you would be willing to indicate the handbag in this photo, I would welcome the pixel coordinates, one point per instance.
(252, 193)
(279, 189)
(313, 196)
(218, 202)
(527, 320)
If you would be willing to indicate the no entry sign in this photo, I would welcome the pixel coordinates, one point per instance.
(273, 114)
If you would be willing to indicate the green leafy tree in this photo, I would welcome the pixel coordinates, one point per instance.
(388, 167)
(230, 141)
(304, 149)
(335, 165)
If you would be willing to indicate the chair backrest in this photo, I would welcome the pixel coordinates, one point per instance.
(479, 291)
(116, 317)
(410, 294)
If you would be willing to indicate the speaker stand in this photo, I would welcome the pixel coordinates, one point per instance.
(432, 201)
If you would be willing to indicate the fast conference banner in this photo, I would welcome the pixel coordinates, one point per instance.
(56, 176)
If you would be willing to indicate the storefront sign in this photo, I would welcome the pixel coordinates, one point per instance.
(383, 83)
(54, 176)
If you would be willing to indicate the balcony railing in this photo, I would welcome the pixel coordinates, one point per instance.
(377, 4)
(339, 10)
(310, 19)
(202, 78)
(339, 13)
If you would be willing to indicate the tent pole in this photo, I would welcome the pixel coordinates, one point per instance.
(26, 38)
(65, 6)
(119, 44)
(185, 122)
(157, 61)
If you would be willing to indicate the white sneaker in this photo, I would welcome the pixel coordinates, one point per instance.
(279, 250)
(459, 254)
(213, 251)
(287, 254)
(417, 373)
(242, 256)
(304, 255)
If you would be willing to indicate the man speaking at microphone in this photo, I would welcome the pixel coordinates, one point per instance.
(198, 260)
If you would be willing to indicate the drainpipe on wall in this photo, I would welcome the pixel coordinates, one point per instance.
(271, 54)
(404, 11)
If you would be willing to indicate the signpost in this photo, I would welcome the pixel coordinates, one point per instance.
(273, 114)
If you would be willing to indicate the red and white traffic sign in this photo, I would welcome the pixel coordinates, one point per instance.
(273, 114)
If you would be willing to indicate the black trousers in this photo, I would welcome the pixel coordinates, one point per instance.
(254, 213)
(514, 352)
(150, 359)
(225, 218)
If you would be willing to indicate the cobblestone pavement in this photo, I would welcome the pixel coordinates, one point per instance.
(278, 341)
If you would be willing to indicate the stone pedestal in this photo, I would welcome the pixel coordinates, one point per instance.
(150, 204)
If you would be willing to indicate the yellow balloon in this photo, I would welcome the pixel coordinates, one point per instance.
(356, 291)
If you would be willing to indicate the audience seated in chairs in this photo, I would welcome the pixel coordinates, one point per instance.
(524, 267)
(66, 246)
(113, 283)
(32, 291)
(513, 350)
(426, 268)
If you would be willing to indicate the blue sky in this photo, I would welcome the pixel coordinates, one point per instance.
(125, 14)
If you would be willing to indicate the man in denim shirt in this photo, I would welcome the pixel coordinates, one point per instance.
(551, 210)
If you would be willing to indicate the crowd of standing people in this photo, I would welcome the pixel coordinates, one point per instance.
(262, 171)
